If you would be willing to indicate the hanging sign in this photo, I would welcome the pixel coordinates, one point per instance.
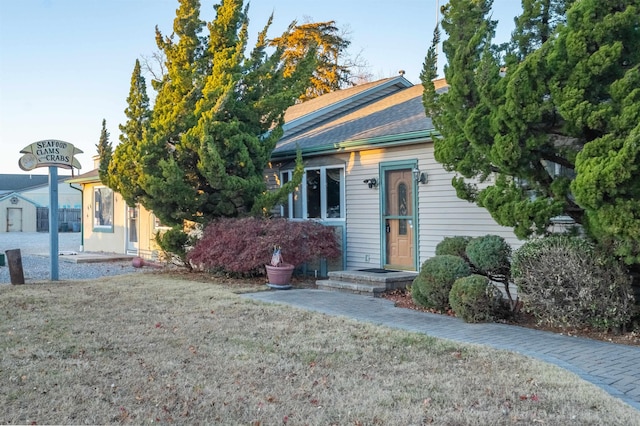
(49, 153)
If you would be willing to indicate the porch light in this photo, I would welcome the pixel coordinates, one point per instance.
(371, 182)
(419, 176)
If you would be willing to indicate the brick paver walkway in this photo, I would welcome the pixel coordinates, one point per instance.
(615, 368)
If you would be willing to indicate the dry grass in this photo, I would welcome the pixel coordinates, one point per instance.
(148, 348)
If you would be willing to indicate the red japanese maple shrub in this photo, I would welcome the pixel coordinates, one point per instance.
(243, 246)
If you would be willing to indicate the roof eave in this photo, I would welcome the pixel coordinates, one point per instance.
(83, 180)
(408, 138)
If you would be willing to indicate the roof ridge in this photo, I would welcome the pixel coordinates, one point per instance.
(330, 104)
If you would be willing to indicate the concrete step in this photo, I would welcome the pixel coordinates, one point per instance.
(352, 287)
(370, 281)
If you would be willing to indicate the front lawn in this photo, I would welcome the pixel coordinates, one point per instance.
(154, 348)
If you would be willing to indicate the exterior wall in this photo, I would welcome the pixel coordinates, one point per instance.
(363, 209)
(67, 196)
(29, 218)
(440, 212)
(147, 229)
(116, 241)
(101, 241)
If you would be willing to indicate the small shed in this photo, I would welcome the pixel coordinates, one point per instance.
(17, 213)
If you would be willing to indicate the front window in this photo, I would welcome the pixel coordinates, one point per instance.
(322, 197)
(103, 209)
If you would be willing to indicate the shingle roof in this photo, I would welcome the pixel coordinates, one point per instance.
(90, 176)
(394, 114)
(23, 182)
(315, 104)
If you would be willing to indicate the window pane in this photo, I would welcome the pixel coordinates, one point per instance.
(103, 211)
(297, 204)
(402, 208)
(313, 193)
(285, 205)
(334, 176)
(133, 224)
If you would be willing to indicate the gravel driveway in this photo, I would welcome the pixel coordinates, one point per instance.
(34, 248)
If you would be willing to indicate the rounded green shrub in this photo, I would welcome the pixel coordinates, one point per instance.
(174, 243)
(490, 254)
(432, 285)
(455, 246)
(475, 299)
(565, 281)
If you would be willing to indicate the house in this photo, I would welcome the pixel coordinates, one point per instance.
(24, 203)
(109, 225)
(370, 173)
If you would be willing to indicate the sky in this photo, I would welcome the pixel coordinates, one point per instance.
(65, 65)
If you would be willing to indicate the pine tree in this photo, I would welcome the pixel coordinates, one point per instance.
(105, 153)
(547, 125)
(331, 72)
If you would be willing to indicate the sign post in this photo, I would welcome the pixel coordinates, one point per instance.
(54, 251)
(51, 153)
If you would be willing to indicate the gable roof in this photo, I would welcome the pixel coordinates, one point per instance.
(18, 195)
(305, 114)
(24, 182)
(388, 111)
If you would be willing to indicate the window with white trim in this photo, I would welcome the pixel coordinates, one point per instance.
(319, 196)
(103, 209)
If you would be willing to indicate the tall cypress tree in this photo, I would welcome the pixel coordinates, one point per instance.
(216, 119)
(125, 170)
(597, 90)
(547, 127)
(105, 153)
(165, 188)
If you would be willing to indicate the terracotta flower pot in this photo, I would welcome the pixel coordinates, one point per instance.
(280, 275)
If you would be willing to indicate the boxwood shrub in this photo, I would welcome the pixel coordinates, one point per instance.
(432, 285)
(490, 254)
(455, 246)
(476, 299)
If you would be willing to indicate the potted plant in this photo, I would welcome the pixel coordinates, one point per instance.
(278, 272)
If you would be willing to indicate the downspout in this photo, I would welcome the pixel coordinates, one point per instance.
(81, 215)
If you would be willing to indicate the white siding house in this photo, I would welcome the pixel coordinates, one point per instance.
(380, 139)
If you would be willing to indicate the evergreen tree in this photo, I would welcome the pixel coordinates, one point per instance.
(597, 91)
(105, 153)
(547, 126)
(163, 187)
(331, 72)
(216, 119)
(125, 170)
